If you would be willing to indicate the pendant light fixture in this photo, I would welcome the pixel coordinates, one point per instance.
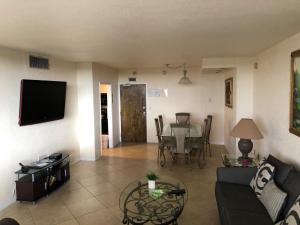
(183, 80)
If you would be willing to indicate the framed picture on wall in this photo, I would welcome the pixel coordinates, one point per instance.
(295, 93)
(229, 92)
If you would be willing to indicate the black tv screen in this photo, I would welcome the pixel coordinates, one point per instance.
(41, 101)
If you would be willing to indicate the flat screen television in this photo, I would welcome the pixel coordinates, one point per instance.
(41, 101)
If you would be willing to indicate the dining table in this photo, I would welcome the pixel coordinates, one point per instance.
(180, 132)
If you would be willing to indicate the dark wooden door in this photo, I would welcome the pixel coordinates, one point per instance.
(133, 113)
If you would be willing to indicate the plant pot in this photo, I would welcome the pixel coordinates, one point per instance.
(151, 184)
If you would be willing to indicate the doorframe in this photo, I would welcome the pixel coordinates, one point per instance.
(109, 115)
(120, 116)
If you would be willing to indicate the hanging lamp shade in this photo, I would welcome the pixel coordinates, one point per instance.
(184, 80)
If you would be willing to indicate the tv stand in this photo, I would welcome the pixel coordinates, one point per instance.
(38, 182)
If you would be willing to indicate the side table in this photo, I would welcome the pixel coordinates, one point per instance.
(232, 160)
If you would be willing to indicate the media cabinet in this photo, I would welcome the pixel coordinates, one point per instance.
(38, 182)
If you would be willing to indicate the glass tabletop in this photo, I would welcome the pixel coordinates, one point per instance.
(234, 160)
(162, 205)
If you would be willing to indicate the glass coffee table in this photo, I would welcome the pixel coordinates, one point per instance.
(163, 205)
(232, 160)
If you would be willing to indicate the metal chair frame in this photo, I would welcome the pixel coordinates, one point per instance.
(206, 134)
(161, 123)
(183, 118)
(163, 142)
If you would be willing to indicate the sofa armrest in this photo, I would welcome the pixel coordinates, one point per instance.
(8, 221)
(237, 175)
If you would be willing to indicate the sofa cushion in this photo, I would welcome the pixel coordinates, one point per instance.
(238, 217)
(282, 170)
(235, 196)
(292, 187)
(238, 205)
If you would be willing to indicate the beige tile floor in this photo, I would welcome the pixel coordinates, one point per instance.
(91, 196)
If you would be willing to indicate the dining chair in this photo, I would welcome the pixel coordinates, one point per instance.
(182, 118)
(161, 123)
(195, 143)
(158, 134)
(164, 142)
(206, 134)
(181, 132)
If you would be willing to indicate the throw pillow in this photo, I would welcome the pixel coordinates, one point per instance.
(264, 173)
(293, 216)
(273, 199)
(282, 170)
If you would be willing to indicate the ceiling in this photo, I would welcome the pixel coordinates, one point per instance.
(146, 33)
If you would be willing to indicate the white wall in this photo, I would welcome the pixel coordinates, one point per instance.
(230, 115)
(106, 75)
(86, 117)
(272, 99)
(26, 143)
(205, 96)
(243, 89)
(89, 76)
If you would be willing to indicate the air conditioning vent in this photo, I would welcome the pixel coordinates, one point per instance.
(131, 79)
(38, 62)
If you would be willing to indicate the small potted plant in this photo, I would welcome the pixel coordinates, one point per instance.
(152, 177)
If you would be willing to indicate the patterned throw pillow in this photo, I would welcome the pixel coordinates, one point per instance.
(273, 199)
(293, 216)
(263, 175)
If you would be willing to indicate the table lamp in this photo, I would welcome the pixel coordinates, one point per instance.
(246, 130)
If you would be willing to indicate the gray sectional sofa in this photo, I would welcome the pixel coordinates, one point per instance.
(237, 202)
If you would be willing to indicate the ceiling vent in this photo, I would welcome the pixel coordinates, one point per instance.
(38, 62)
(131, 79)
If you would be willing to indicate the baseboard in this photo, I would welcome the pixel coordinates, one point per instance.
(87, 159)
(214, 143)
(75, 161)
(6, 204)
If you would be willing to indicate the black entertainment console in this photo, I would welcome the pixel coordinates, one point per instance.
(38, 182)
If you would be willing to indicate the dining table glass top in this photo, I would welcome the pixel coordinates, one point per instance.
(181, 132)
(193, 129)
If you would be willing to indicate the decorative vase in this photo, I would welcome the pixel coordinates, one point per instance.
(151, 184)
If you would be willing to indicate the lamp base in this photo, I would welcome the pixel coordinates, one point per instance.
(248, 159)
(245, 147)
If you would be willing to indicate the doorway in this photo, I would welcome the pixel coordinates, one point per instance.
(106, 128)
(133, 113)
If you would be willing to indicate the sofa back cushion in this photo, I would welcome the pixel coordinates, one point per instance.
(282, 170)
(292, 187)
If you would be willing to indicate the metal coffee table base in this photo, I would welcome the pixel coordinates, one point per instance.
(139, 207)
(128, 221)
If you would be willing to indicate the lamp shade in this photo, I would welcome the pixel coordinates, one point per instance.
(246, 129)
